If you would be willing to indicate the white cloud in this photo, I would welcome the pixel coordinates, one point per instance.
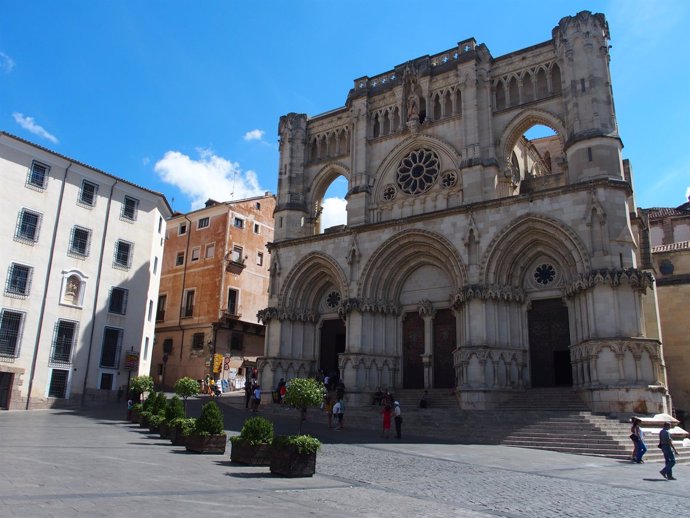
(255, 134)
(687, 194)
(334, 212)
(6, 63)
(209, 176)
(30, 125)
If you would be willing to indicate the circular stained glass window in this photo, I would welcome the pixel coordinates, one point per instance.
(418, 171)
(333, 299)
(389, 192)
(449, 179)
(544, 274)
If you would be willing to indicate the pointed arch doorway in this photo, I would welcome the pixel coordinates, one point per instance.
(549, 341)
(332, 344)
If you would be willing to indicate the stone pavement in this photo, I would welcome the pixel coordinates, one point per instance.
(59, 463)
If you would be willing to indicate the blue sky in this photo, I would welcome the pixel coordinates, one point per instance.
(184, 97)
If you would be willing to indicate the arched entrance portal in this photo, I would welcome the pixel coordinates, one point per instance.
(549, 338)
(332, 344)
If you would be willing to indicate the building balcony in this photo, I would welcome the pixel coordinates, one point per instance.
(235, 265)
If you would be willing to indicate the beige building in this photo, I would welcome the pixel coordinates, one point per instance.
(81, 259)
(214, 280)
(669, 230)
(475, 257)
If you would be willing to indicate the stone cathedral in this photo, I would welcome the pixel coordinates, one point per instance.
(474, 257)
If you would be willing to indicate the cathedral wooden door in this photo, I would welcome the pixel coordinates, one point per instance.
(549, 338)
(444, 344)
(413, 348)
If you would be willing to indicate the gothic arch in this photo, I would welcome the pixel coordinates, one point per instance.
(306, 282)
(523, 241)
(389, 266)
(524, 121)
(450, 158)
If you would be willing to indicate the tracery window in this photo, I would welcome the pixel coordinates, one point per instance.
(333, 299)
(417, 172)
(544, 274)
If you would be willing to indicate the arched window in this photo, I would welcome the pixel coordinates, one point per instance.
(513, 92)
(458, 102)
(437, 107)
(527, 88)
(323, 150)
(377, 127)
(447, 105)
(555, 79)
(542, 86)
(314, 150)
(500, 96)
(386, 125)
(331, 144)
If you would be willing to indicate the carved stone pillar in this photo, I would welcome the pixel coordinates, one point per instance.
(427, 312)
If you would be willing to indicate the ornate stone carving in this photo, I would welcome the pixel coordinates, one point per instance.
(492, 292)
(633, 277)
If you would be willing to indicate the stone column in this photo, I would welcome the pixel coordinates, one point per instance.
(427, 312)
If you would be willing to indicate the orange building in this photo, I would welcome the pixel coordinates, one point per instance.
(214, 280)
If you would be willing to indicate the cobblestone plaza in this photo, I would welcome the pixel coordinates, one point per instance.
(61, 463)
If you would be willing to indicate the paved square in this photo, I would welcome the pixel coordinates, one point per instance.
(62, 463)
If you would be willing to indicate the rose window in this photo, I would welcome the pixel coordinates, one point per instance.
(389, 192)
(333, 299)
(544, 274)
(418, 171)
(449, 179)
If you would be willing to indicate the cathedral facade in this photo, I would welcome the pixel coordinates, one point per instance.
(476, 257)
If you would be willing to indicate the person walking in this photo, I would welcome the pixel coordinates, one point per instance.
(257, 398)
(398, 420)
(247, 392)
(339, 413)
(637, 437)
(386, 412)
(666, 445)
(328, 408)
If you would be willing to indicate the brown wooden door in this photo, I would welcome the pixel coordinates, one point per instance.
(549, 338)
(444, 344)
(413, 348)
(332, 345)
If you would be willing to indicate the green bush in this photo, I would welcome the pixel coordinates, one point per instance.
(173, 409)
(158, 403)
(138, 407)
(210, 422)
(255, 431)
(141, 384)
(303, 443)
(302, 393)
(156, 420)
(185, 424)
(186, 387)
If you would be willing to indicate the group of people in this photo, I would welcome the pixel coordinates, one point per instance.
(665, 444)
(252, 394)
(389, 412)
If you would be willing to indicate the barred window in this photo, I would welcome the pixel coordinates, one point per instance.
(188, 309)
(112, 343)
(87, 195)
(129, 208)
(27, 226)
(38, 175)
(58, 383)
(10, 332)
(63, 342)
(123, 254)
(198, 341)
(18, 280)
(118, 301)
(80, 241)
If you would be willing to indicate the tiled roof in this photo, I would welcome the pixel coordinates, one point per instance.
(668, 212)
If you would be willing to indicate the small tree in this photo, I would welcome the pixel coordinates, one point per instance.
(141, 385)
(302, 393)
(174, 409)
(186, 387)
(210, 422)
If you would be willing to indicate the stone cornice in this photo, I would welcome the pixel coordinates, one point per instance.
(492, 292)
(610, 277)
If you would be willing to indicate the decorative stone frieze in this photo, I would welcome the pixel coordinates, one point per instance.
(633, 277)
(492, 292)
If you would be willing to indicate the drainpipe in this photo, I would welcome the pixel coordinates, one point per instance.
(41, 313)
(95, 297)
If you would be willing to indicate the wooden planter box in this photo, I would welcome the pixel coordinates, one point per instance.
(154, 429)
(134, 417)
(244, 453)
(287, 461)
(207, 444)
(164, 431)
(176, 437)
(143, 422)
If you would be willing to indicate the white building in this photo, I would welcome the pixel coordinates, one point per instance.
(81, 259)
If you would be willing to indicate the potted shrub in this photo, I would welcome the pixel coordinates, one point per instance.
(173, 410)
(141, 385)
(145, 412)
(253, 445)
(295, 455)
(136, 412)
(180, 429)
(185, 388)
(157, 411)
(208, 435)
